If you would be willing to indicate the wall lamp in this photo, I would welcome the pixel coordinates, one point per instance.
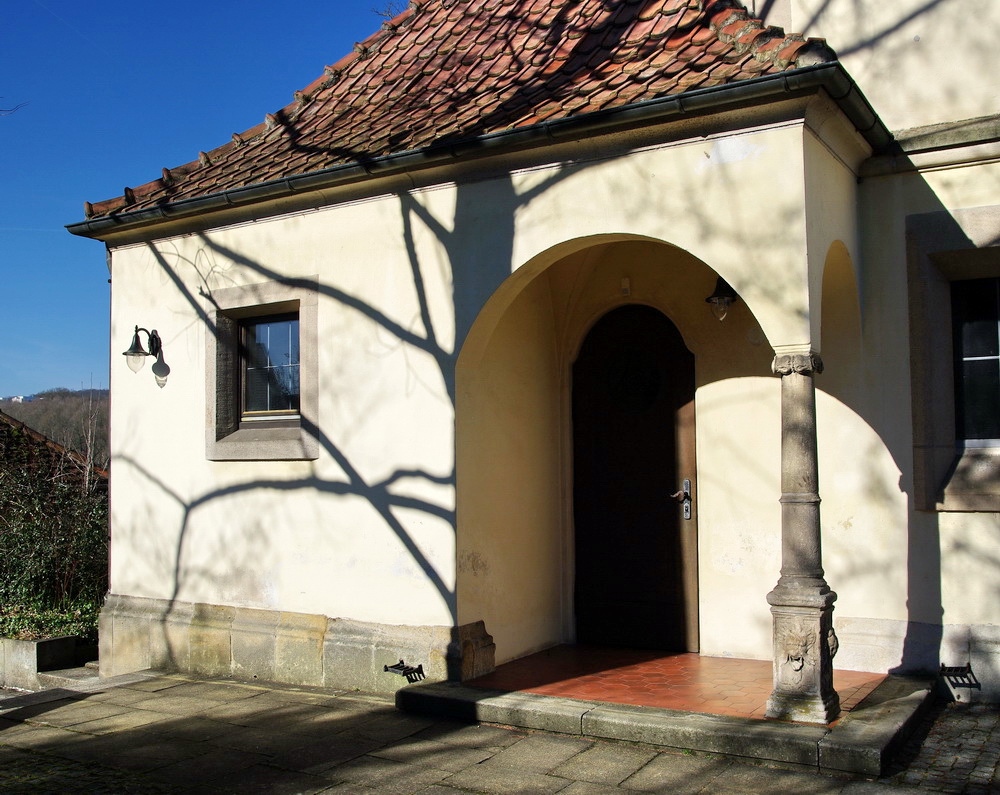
(723, 298)
(136, 355)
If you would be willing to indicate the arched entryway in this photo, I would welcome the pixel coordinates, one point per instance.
(516, 539)
(633, 387)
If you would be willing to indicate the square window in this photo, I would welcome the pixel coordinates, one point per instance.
(262, 380)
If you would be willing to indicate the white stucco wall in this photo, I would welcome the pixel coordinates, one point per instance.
(739, 436)
(328, 536)
(345, 535)
(523, 264)
(918, 62)
(888, 200)
(511, 546)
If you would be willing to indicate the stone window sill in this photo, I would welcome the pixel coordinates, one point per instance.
(265, 444)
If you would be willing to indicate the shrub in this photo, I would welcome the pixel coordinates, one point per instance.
(53, 540)
(31, 622)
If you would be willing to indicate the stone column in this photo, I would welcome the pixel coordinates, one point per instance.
(801, 602)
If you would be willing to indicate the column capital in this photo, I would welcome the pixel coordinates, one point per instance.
(806, 363)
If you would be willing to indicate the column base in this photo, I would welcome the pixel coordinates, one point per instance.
(803, 708)
(804, 646)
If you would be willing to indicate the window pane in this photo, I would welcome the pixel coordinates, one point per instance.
(290, 387)
(974, 307)
(283, 389)
(256, 391)
(256, 347)
(293, 343)
(979, 400)
(277, 343)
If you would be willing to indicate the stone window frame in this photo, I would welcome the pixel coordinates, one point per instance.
(225, 440)
(943, 247)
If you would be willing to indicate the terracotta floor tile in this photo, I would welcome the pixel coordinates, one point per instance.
(687, 682)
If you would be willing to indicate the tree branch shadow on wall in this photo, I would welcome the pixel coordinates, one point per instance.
(473, 282)
(868, 42)
(490, 238)
(863, 389)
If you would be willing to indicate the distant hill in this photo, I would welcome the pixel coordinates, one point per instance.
(75, 419)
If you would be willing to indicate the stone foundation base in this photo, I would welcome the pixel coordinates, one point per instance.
(901, 647)
(137, 633)
(803, 708)
(804, 646)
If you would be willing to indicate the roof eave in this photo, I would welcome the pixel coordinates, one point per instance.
(830, 77)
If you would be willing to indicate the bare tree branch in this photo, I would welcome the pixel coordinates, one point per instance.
(15, 109)
(390, 10)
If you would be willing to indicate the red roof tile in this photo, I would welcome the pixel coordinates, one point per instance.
(446, 70)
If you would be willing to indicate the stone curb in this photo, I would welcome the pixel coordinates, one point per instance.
(860, 743)
(865, 740)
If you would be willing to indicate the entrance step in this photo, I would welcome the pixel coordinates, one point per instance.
(69, 678)
(862, 742)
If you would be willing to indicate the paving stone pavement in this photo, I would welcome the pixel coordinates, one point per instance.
(955, 749)
(172, 733)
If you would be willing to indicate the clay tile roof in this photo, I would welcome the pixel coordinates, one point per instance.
(447, 70)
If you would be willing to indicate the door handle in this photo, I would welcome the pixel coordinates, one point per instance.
(684, 498)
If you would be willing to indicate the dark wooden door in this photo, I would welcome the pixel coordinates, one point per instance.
(633, 445)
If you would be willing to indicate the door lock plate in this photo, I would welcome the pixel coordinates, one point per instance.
(684, 498)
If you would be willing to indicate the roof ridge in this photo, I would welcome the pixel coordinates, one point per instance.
(734, 24)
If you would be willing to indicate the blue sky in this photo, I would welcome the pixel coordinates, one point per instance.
(115, 91)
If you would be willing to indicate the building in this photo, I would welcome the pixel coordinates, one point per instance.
(443, 385)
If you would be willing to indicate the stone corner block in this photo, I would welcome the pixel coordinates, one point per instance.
(471, 652)
(865, 739)
(356, 654)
